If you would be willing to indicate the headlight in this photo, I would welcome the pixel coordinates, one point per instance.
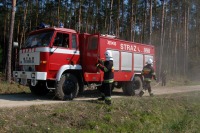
(33, 75)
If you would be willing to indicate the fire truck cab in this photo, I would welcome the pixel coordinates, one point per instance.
(64, 61)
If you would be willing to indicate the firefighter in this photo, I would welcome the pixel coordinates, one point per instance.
(148, 73)
(108, 69)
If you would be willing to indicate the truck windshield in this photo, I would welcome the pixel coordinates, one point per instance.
(38, 40)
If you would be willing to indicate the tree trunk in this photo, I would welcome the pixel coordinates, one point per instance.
(132, 21)
(186, 16)
(161, 39)
(175, 54)
(22, 37)
(122, 19)
(31, 12)
(70, 14)
(79, 15)
(87, 17)
(8, 74)
(106, 25)
(150, 21)
(98, 4)
(118, 19)
(5, 42)
(37, 13)
(110, 18)
(58, 14)
(170, 48)
(144, 21)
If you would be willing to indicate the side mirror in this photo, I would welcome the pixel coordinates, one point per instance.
(15, 44)
(52, 50)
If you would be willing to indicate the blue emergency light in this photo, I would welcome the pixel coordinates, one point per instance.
(61, 25)
(43, 25)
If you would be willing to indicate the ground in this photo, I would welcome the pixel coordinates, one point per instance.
(27, 99)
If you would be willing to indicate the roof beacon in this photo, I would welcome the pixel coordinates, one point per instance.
(61, 25)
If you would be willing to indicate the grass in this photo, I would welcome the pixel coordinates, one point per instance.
(176, 82)
(10, 88)
(176, 113)
(168, 113)
(7, 88)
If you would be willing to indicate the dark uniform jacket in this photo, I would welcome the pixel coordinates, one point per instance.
(148, 73)
(108, 69)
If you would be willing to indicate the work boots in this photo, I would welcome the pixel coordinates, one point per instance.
(108, 102)
(101, 98)
(141, 93)
(151, 94)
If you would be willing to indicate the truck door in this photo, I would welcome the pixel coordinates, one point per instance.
(63, 52)
(91, 54)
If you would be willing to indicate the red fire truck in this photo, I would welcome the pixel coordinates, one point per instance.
(64, 61)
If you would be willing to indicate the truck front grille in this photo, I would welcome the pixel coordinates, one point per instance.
(29, 68)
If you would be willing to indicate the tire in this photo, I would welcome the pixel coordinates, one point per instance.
(138, 85)
(113, 87)
(40, 89)
(118, 85)
(67, 88)
(130, 87)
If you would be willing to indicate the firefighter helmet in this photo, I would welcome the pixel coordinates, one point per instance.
(150, 61)
(108, 55)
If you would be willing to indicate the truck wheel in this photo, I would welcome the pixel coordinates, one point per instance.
(40, 89)
(118, 85)
(130, 87)
(67, 88)
(138, 83)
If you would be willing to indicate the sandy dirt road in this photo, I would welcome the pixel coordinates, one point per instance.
(22, 99)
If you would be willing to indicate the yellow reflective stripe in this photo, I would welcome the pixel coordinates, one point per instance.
(108, 81)
(147, 79)
(113, 69)
(107, 98)
(105, 69)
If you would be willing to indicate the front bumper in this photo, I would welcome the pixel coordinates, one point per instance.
(23, 77)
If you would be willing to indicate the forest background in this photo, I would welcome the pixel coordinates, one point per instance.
(172, 26)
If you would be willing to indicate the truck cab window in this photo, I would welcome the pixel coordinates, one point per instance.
(61, 40)
(65, 41)
(38, 40)
(74, 43)
(92, 43)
